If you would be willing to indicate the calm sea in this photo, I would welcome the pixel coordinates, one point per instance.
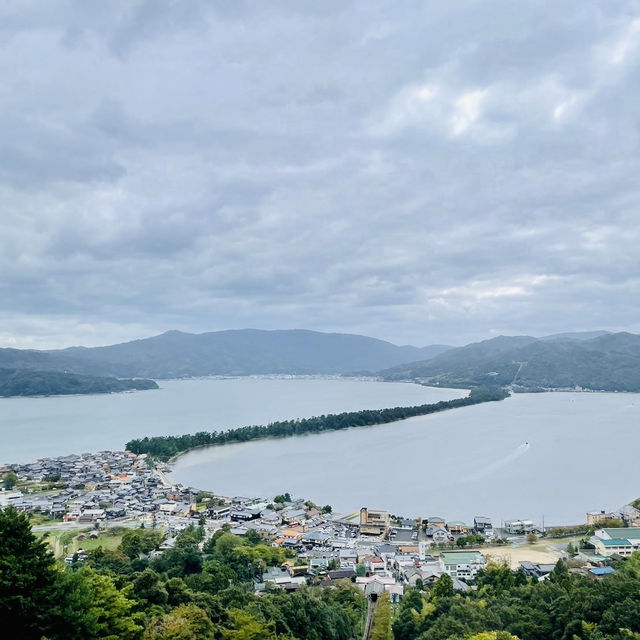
(551, 457)
(32, 428)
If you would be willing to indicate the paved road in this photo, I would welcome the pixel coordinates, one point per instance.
(165, 481)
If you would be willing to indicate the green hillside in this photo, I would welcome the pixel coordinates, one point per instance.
(26, 382)
(608, 362)
(175, 354)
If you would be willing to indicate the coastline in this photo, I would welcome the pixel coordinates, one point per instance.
(77, 395)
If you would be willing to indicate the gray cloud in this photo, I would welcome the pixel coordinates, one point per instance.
(421, 172)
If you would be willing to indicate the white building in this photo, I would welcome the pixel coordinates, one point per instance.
(616, 541)
(518, 527)
(7, 498)
(463, 564)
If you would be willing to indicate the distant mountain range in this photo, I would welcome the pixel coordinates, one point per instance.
(591, 360)
(596, 361)
(175, 354)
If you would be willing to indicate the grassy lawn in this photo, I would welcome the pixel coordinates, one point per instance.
(50, 537)
(64, 542)
(60, 540)
(108, 542)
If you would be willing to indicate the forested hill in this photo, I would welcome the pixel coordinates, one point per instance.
(607, 362)
(238, 352)
(594, 360)
(26, 382)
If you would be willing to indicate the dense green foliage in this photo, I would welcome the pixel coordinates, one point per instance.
(9, 480)
(183, 593)
(25, 382)
(166, 446)
(470, 540)
(609, 363)
(27, 577)
(137, 541)
(382, 620)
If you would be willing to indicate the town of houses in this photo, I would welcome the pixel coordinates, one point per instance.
(110, 488)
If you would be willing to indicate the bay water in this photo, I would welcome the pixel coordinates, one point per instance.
(32, 428)
(550, 456)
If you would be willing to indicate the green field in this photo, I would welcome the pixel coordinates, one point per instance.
(64, 542)
(110, 542)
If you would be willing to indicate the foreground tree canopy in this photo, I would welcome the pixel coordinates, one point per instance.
(165, 447)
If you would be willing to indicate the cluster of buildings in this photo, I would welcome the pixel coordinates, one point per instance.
(95, 488)
(376, 565)
(628, 515)
(615, 540)
(378, 553)
(110, 487)
(385, 567)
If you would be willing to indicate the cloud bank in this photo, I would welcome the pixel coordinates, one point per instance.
(417, 171)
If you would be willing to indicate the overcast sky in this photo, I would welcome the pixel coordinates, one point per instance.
(421, 172)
